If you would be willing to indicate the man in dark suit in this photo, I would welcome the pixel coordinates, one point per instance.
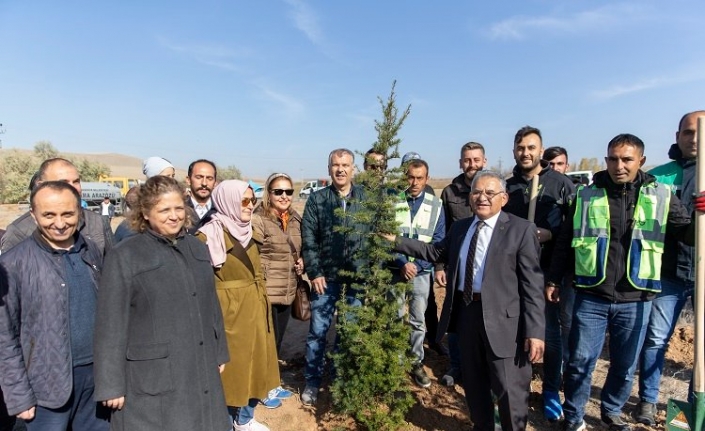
(494, 301)
(201, 178)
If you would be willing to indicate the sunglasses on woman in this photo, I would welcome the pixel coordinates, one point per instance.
(246, 201)
(279, 192)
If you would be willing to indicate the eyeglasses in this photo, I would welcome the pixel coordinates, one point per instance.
(489, 193)
(246, 201)
(279, 192)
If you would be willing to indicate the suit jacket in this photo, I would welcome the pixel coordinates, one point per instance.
(512, 285)
(197, 222)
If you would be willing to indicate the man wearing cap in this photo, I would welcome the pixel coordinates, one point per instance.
(91, 225)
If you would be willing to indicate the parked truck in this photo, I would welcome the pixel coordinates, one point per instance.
(122, 183)
(312, 186)
(94, 193)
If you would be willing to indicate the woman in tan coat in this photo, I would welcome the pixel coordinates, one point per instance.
(278, 226)
(253, 369)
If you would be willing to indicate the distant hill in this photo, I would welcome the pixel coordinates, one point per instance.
(120, 165)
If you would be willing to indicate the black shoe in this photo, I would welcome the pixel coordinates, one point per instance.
(420, 376)
(645, 413)
(451, 377)
(615, 422)
(570, 426)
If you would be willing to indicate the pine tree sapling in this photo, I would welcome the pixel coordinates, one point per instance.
(372, 362)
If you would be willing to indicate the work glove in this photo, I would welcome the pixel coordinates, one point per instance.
(699, 202)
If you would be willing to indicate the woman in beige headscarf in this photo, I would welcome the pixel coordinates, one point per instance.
(253, 369)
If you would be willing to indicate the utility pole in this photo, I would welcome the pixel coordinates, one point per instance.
(2, 131)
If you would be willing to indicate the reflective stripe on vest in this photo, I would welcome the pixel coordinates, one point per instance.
(424, 223)
(591, 236)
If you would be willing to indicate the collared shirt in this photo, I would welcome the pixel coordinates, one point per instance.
(483, 243)
(201, 210)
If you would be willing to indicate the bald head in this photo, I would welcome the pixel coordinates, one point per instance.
(687, 134)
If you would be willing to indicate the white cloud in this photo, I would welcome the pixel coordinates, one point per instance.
(290, 107)
(519, 27)
(306, 20)
(644, 84)
(211, 55)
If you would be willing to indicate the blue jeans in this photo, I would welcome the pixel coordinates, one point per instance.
(558, 320)
(243, 415)
(322, 310)
(80, 413)
(553, 353)
(665, 310)
(626, 324)
(418, 301)
(567, 302)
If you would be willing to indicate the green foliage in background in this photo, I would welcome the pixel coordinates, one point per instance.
(17, 168)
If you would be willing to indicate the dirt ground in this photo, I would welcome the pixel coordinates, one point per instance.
(438, 407)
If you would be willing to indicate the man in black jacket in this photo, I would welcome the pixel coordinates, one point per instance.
(616, 228)
(555, 192)
(456, 206)
(47, 310)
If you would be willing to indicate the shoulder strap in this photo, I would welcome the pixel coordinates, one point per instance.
(241, 254)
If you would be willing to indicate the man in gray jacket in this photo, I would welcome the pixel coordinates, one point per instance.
(48, 288)
(91, 225)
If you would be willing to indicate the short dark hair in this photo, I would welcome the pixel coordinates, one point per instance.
(472, 146)
(48, 162)
(626, 139)
(417, 163)
(372, 151)
(193, 164)
(132, 196)
(57, 186)
(551, 153)
(33, 181)
(680, 123)
(524, 131)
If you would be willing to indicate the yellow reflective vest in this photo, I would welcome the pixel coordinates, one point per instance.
(591, 236)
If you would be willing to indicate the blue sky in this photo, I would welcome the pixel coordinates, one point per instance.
(275, 85)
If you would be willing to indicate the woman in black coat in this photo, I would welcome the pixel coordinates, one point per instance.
(159, 339)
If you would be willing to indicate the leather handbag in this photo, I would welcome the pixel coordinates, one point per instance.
(301, 307)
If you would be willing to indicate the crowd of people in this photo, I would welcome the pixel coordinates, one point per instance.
(176, 320)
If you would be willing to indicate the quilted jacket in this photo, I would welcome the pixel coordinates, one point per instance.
(35, 351)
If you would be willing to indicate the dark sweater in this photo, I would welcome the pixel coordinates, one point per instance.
(82, 304)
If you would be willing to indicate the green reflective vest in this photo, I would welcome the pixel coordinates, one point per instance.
(591, 236)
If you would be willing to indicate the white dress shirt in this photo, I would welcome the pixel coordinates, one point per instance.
(483, 243)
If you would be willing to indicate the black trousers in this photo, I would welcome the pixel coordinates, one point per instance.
(485, 374)
(280, 319)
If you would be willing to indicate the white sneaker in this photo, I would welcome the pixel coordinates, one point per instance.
(252, 425)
